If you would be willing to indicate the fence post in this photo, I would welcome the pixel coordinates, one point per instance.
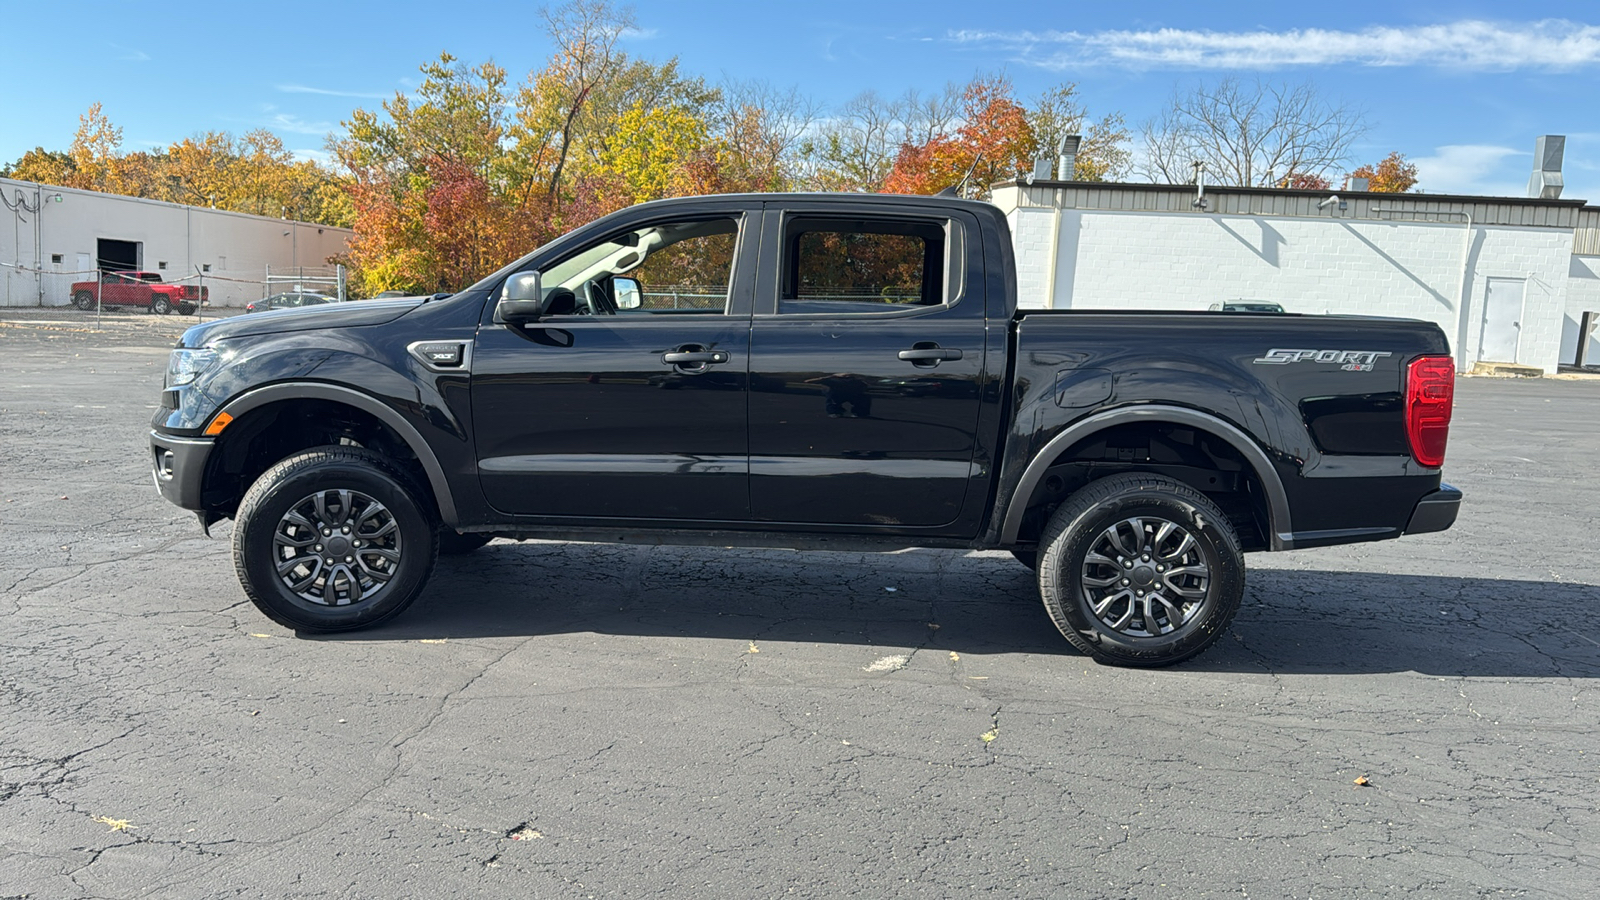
(200, 296)
(99, 294)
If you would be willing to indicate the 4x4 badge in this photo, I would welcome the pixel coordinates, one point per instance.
(1346, 360)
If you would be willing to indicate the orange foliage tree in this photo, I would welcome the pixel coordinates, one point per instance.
(1391, 175)
(994, 142)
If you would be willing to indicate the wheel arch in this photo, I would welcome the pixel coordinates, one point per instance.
(1279, 529)
(290, 392)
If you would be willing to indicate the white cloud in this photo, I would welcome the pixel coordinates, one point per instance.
(1470, 44)
(296, 125)
(639, 34)
(1480, 169)
(324, 92)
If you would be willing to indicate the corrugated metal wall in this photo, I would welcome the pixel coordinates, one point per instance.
(1304, 204)
(1586, 240)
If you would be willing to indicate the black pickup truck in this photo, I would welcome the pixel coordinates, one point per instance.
(812, 372)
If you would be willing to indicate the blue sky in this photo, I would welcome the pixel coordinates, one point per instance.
(1462, 87)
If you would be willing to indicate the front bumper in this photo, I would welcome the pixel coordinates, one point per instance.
(1436, 511)
(179, 466)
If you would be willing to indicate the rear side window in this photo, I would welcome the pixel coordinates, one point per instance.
(861, 266)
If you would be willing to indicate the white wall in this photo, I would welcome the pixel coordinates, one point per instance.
(1168, 260)
(1583, 295)
(236, 246)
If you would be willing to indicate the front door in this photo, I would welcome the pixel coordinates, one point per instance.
(1502, 320)
(867, 358)
(630, 410)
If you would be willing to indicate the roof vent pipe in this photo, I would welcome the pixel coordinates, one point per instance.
(1067, 156)
(1545, 183)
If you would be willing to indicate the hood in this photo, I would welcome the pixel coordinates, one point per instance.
(311, 318)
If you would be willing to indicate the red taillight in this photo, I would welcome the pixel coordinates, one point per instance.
(1430, 392)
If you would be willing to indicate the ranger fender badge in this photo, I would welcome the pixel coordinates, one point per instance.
(1346, 360)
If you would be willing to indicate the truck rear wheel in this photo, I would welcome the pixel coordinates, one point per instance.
(333, 539)
(83, 300)
(1140, 570)
(161, 306)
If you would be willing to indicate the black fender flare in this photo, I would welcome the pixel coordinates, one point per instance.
(312, 390)
(1281, 535)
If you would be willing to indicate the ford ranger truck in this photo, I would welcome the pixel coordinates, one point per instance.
(810, 372)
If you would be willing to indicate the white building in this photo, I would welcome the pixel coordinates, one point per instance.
(61, 235)
(1507, 279)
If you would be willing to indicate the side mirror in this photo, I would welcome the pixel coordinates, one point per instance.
(521, 300)
(627, 293)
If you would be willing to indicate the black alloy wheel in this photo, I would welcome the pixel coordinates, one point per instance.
(1140, 570)
(333, 539)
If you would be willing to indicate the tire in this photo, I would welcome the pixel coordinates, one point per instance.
(1029, 558)
(186, 309)
(161, 306)
(1099, 604)
(456, 543)
(83, 300)
(326, 489)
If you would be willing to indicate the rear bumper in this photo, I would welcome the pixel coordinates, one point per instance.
(178, 466)
(1435, 512)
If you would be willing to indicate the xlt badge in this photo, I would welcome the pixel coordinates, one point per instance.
(1346, 360)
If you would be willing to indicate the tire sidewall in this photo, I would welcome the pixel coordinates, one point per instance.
(83, 300)
(253, 544)
(1062, 565)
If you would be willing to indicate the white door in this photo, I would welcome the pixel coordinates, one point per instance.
(1502, 320)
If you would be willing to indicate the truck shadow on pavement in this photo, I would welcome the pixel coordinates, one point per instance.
(1291, 621)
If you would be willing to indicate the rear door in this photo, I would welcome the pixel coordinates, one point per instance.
(626, 399)
(866, 367)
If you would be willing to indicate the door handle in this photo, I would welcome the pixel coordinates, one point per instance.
(695, 357)
(929, 354)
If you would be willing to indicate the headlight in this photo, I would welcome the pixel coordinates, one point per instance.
(185, 365)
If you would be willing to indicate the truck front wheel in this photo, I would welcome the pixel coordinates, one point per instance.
(333, 539)
(1140, 570)
(83, 300)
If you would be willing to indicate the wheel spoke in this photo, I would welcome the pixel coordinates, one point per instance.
(320, 502)
(1184, 546)
(1162, 534)
(1093, 581)
(1115, 534)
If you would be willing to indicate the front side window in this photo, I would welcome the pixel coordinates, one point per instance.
(861, 266)
(662, 268)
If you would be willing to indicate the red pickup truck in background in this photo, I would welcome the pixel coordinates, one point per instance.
(139, 289)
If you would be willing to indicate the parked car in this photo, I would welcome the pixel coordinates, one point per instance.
(867, 382)
(1251, 306)
(139, 289)
(290, 300)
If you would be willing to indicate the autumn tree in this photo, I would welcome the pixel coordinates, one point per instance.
(42, 166)
(856, 147)
(95, 153)
(1103, 154)
(427, 183)
(994, 142)
(1249, 134)
(1390, 175)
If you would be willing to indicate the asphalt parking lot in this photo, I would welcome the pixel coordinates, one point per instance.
(571, 720)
